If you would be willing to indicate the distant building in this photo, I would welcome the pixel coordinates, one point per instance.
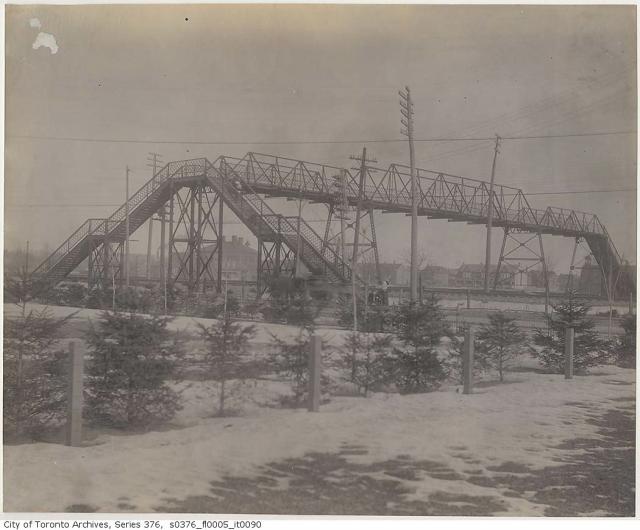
(471, 275)
(393, 273)
(239, 260)
(434, 276)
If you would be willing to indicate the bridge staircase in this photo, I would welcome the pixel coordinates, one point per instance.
(321, 260)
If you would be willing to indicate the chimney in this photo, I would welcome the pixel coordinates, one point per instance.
(234, 239)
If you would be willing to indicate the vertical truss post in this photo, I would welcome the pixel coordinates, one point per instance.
(220, 241)
(374, 242)
(191, 241)
(259, 271)
(163, 271)
(545, 273)
(278, 265)
(90, 271)
(500, 259)
(106, 251)
(569, 286)
(199, 235)
(170, 242)
(325, 241)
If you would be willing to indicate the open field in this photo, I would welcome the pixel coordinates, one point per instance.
(534, 445)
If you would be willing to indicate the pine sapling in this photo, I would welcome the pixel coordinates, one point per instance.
(227, 347)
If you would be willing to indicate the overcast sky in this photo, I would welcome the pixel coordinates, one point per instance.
(257, 74)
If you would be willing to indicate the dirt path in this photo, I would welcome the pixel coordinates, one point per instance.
(599, 479)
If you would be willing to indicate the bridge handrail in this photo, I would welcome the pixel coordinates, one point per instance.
(275, 220)
(106, 226)
(195, 167)
(472, 191)
(64, 248)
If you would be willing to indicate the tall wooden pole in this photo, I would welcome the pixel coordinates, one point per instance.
(568, 353)
(163, 272)
(126, 247)
(487, 259)
(315, 371)
(467, 361)
(406, 108)
(74, 396)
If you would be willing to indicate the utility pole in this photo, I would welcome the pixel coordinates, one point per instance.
(487, 259)
(153, 163)
(406, 109)
(356, 237)
(126, 243)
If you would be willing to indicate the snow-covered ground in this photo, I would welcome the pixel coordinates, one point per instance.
(264, 330)
(521, 421)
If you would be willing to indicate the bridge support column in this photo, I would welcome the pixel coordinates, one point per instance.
(195, 238)
(520, 253)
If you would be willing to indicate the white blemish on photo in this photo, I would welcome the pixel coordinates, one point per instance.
(46, 40)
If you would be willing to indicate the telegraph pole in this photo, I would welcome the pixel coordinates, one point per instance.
(126, 243)
(356, 238)
(487, 259)
(406, 109)
(153, 163)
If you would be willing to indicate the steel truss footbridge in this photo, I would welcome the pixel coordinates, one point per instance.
(191, 197)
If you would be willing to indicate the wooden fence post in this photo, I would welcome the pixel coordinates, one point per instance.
(74, 396)
(568, 353)
(315, 370)
(467, 361)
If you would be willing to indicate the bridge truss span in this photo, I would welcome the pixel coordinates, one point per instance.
(195, 193)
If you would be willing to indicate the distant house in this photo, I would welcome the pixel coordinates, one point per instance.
(434, 276)
(393, 273)
(239, 260)
(471, 275)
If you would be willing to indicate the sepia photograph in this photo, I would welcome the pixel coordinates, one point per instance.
(320, 260)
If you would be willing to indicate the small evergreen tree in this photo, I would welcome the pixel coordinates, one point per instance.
(498, 342)
(415, 366)
(34, 377)
(363, 356)
(131, 359)
(34, 374)
(589, 349)
(227, 345)
(627, 345)
(291, 359)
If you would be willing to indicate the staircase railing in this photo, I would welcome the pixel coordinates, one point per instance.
(104, 227)
(65, 248)
(286, 224)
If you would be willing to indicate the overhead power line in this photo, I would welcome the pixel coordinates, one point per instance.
(307, 142)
